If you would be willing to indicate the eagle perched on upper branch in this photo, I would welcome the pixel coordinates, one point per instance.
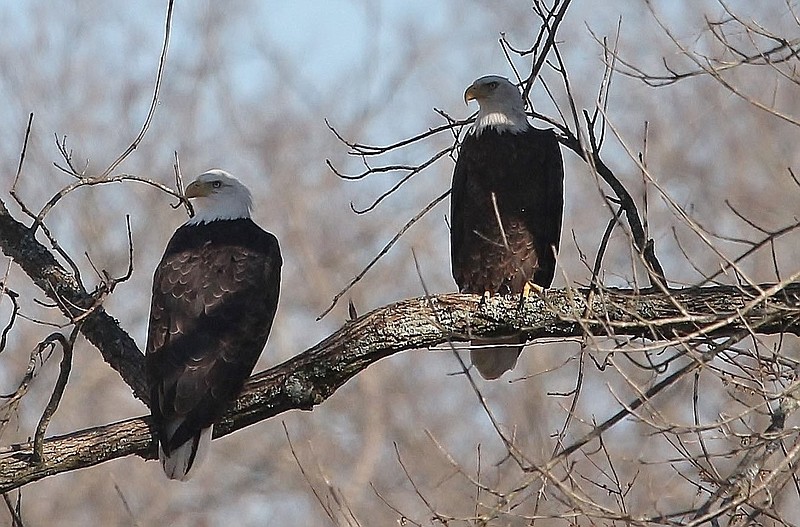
(215, 294)
(505, 209)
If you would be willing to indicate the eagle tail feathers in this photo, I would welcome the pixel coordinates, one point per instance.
(495, 357)
(180, 462)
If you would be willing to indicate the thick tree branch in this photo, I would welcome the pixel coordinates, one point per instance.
(314, 375)
(19, 243)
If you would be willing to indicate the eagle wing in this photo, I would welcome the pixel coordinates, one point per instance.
(211, 313)
(544, 216)
(518, 178)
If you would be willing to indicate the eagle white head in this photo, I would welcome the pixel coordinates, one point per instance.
(217, 195)
(500, 105)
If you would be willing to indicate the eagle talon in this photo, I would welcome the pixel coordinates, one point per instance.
(535, 288)
(485, 297)
(531, 288)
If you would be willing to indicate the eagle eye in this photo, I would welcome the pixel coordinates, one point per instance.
(492, 85)
(216, 184)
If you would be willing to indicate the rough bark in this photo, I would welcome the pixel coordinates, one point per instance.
(314, 375)
(19, 243)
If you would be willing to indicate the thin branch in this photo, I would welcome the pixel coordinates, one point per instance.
(105, 176)
(644, 245)
(552, 20)
(360, 149)
(382, 252)
(314, 375)
(24, 149)
(117, 347)
(14, 510)
(411, 173)
(183, 200)
(14, 313)
(162, 60)
(61, 383)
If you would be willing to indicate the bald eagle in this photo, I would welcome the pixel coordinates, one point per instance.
(505, 209)
(215, 294)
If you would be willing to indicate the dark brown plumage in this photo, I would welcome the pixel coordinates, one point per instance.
(509, 170)
(215, 294)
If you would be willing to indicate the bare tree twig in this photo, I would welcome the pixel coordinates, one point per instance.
(117, 347)
(411, 173)
(162, 60)
(11, 319)
(14, 511)
(383, 251)
(361, 149)
(61, 383)
(643, 244)
(105, 176)
(314, 375)
(24, 149)
(551, 20)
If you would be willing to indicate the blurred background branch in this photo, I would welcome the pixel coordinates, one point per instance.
(308, 379)
(674, 407)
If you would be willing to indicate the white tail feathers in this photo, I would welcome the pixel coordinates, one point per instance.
(181, 462)
(493, 361)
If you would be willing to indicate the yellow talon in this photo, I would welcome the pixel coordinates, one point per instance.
(526, 290)
(531, 287)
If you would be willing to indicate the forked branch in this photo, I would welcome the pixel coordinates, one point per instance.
(19, 242)
(311, 377)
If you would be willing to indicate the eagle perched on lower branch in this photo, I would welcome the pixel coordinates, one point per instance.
(505, 209)
(215, 294)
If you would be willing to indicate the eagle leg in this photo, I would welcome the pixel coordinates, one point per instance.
(485, 297)
(529, 288)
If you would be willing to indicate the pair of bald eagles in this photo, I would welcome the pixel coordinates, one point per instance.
(215, 291)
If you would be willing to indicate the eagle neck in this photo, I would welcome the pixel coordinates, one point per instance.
(227, 211)
(500, 122)
(234, 203)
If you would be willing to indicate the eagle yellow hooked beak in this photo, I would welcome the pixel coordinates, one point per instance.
(197, 189)
(474, 92)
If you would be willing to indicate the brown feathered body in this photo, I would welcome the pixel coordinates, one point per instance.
(506, 211)
(215, 294)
